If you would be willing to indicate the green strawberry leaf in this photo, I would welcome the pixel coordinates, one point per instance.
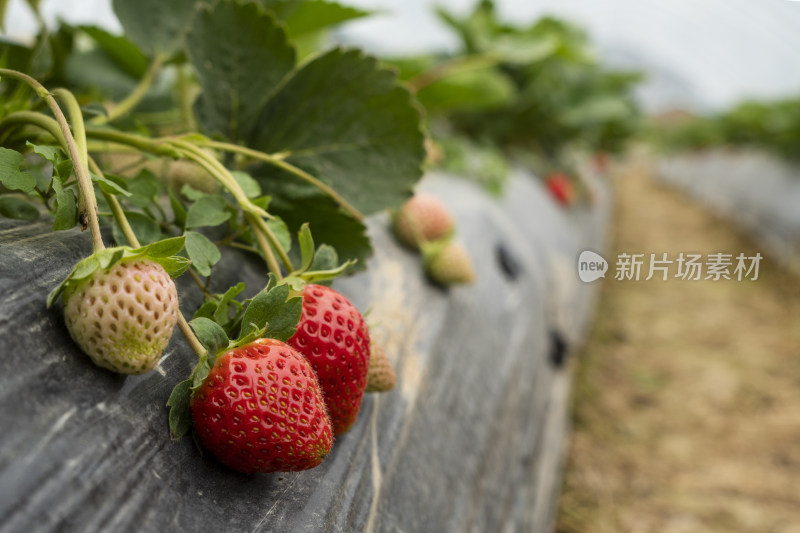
(281, 232)
(240, 53)
(109, 185)
(54, 154)
(262, 202)
(12, 207)
(124, 53)
(299, 203)
(11, 176)
(468, 90)
(63, 168)
(320, 276)
(325, 258)
(221, 313)
(66, 215)
(203, 253)
(175, 265)
(155, 26)
(109, 256)
(211, 336)
(303, 17)
(200, 372)
(346, 118)
(306, 242)
(82, 269)
(178, 210)
(191, 194)
(206, 310)
(270, 309)
(180, 413)
(85, 268)
(164, 248)
(209, 210)
(250, 186)
(143, 189)
(145, 228)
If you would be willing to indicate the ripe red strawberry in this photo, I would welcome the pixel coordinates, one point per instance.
(123, 318)
(334, 337)
(421, 219)
(448, 263)
(561, 187)
(261, 410)
(381, 376)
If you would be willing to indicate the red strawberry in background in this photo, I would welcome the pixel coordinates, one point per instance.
(261, 410)
(333, 335)
(561, 188)
(421, 219)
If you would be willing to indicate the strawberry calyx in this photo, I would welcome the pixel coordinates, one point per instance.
(318, 264)
(272, 313)
(161, 252)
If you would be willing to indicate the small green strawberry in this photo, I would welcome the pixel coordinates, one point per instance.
(448, 263)
(421, 219)
(123, 317)
(381, 376)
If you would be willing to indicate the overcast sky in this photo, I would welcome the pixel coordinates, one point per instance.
(701, 53)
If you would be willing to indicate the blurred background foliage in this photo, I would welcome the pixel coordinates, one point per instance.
(519, 92)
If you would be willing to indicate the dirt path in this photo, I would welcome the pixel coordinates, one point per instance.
(687, 398)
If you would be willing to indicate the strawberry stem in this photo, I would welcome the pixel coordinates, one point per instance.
(177, 147)
(191, 338)
(266, 249)
(278, 162)
(130, 236)
(80, 165)
(136, 96)
(254, 214)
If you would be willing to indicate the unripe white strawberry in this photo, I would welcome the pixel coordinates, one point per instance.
(423, 218)
(123, 317)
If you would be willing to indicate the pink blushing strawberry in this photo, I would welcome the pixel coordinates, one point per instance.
(421, 219)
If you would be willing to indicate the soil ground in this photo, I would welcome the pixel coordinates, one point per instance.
(687, 395)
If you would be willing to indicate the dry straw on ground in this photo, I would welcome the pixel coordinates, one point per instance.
(687, 397)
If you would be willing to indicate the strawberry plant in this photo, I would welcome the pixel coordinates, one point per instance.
(773, 126)
(519, 90)
(206, 126)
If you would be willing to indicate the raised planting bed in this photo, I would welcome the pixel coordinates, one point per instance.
(472, 437)
(755, 190)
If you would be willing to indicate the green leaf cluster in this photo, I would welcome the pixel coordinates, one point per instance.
(536, 88)
(772, 126)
